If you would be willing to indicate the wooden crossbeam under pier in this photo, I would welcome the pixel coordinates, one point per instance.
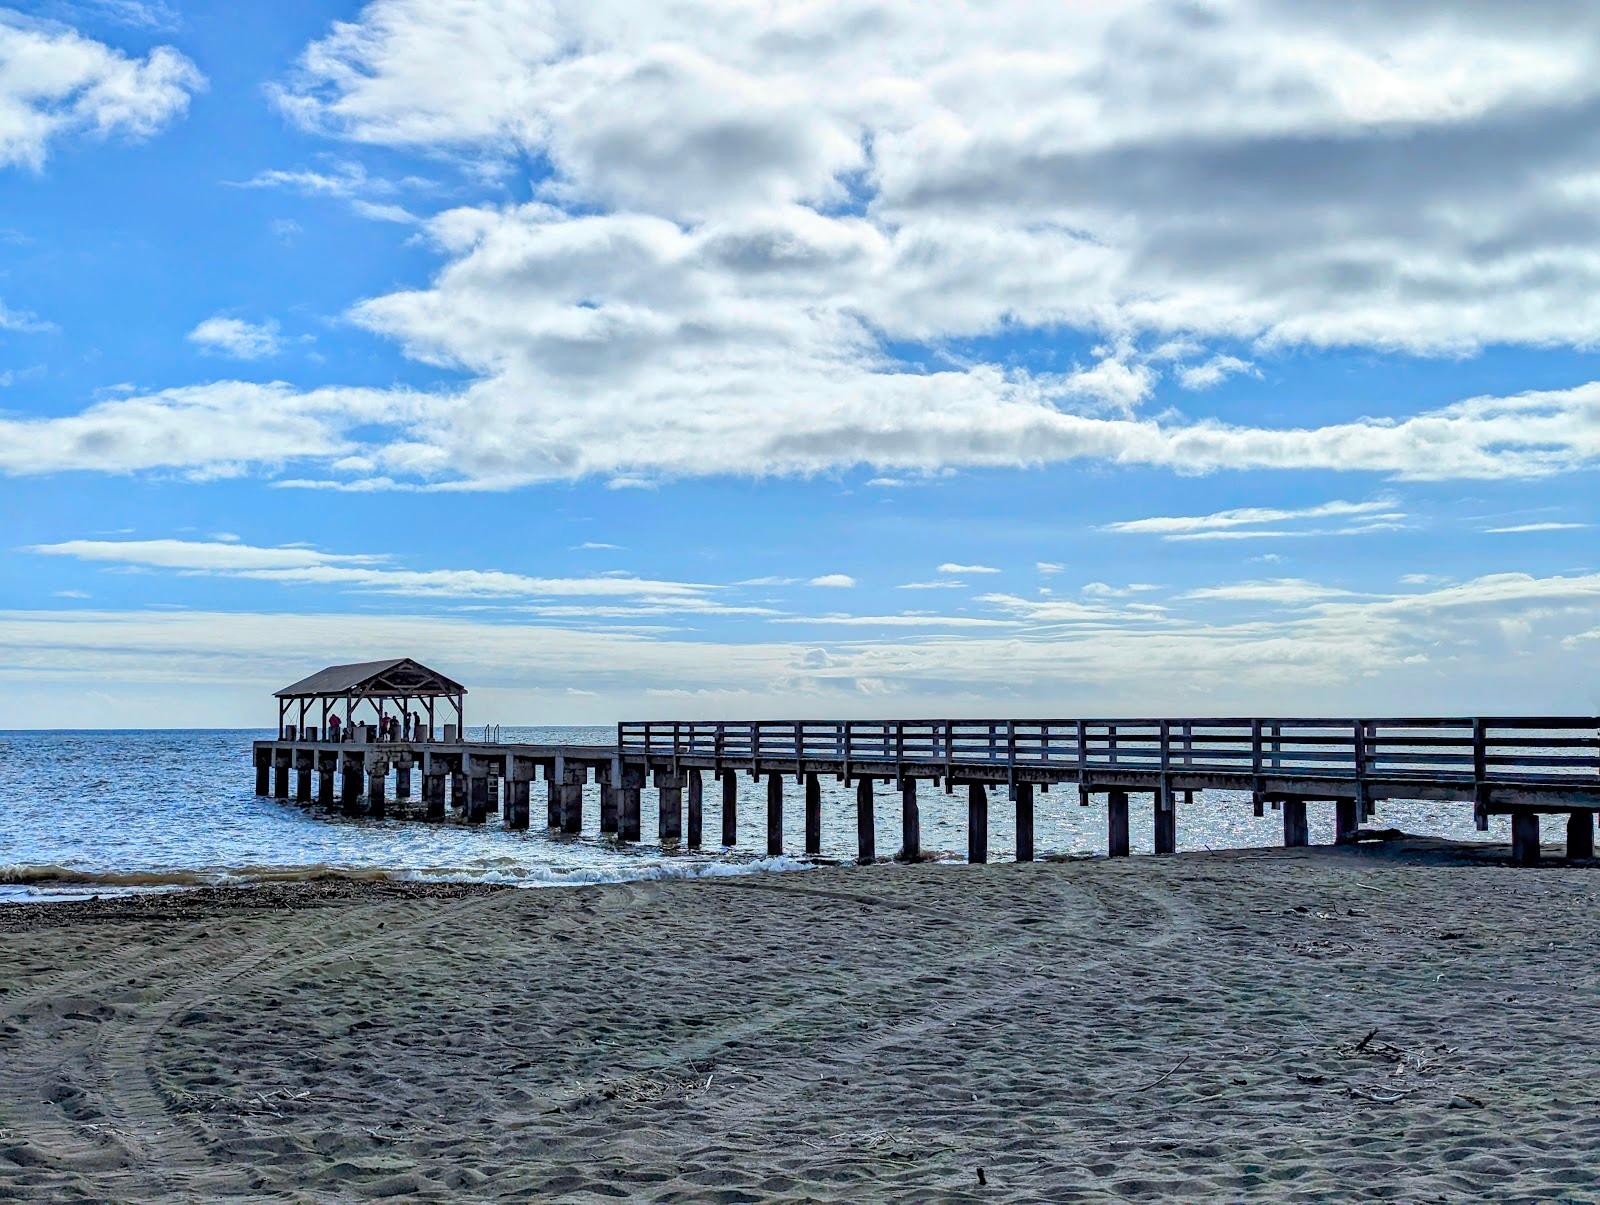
(1522, 766)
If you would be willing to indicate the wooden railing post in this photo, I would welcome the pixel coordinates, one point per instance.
(1480, 772)
(1255, 767)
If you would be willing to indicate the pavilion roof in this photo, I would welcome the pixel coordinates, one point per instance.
(396, 676)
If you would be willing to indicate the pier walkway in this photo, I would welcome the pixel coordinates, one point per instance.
(1524, 767)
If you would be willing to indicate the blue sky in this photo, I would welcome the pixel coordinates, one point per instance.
(839, 359)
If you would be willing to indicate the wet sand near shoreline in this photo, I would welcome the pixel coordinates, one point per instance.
(1407, 1020)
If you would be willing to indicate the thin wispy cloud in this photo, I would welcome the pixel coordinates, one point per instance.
(1521, 528)
(1250, 523)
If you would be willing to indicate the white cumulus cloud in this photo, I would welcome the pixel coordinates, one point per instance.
(55, 82)
(238, 338)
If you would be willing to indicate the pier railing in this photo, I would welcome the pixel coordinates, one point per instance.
(1509, 749)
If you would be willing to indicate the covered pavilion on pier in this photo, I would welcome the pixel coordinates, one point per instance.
(400, 681)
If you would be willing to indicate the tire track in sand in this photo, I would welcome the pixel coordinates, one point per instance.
(138, 1118)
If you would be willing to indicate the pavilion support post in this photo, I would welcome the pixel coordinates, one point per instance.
(352, 772)
(1166, 821)
(571, 790)
(1117, 824)
(280, 775)
(910, 823)
(302, 777)
(774, 814)
(730, 807)
(402, 780)
(628, 803)
(1023, 793)
(433, 788)
(263, 771)
(1580, 834)
(377, 781)
(326, 764)
(814, 815)
(669, 791)
(697, 796)
(1346, 820)
(477, 791)
(1524, 838)
(866, 824)
(1296, 831)
(609, 789)
(977, 822)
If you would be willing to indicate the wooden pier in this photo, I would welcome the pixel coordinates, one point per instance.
(1524, 767)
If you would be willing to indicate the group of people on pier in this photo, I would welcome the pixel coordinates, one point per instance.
(404, 727)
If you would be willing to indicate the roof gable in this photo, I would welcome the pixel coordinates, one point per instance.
(396, 676)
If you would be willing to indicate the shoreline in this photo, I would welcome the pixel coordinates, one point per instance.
(59, 885)
(1404, 1019)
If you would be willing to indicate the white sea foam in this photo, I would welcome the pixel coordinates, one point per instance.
(52, 883)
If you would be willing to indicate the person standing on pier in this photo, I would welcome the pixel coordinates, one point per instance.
(333, 728)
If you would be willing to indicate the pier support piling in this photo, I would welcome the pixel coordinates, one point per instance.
(910, 822)
(402, 782)
(1346, 820)
(1580, 834)
(697, 792)
(669, 789)
(280, 776)
(813, 815)
(608, 801)
(326, 765)
(477, 796)
(1296, 831)
(433, 787)
(1166, 822)
(1117, 824)
(1022, 793)
(866, 824)
(730, 807)
(377, 780)
(458, 791)
(518, 790)
(774, 814)
(302, 778)
(1524, 838)
(977, 822)
(352, 773)
(571, 795)
(263, 771)
(628, 805)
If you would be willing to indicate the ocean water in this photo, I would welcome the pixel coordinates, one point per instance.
(99, 812)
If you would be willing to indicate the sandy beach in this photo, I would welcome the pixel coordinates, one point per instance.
(1411, 1021)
